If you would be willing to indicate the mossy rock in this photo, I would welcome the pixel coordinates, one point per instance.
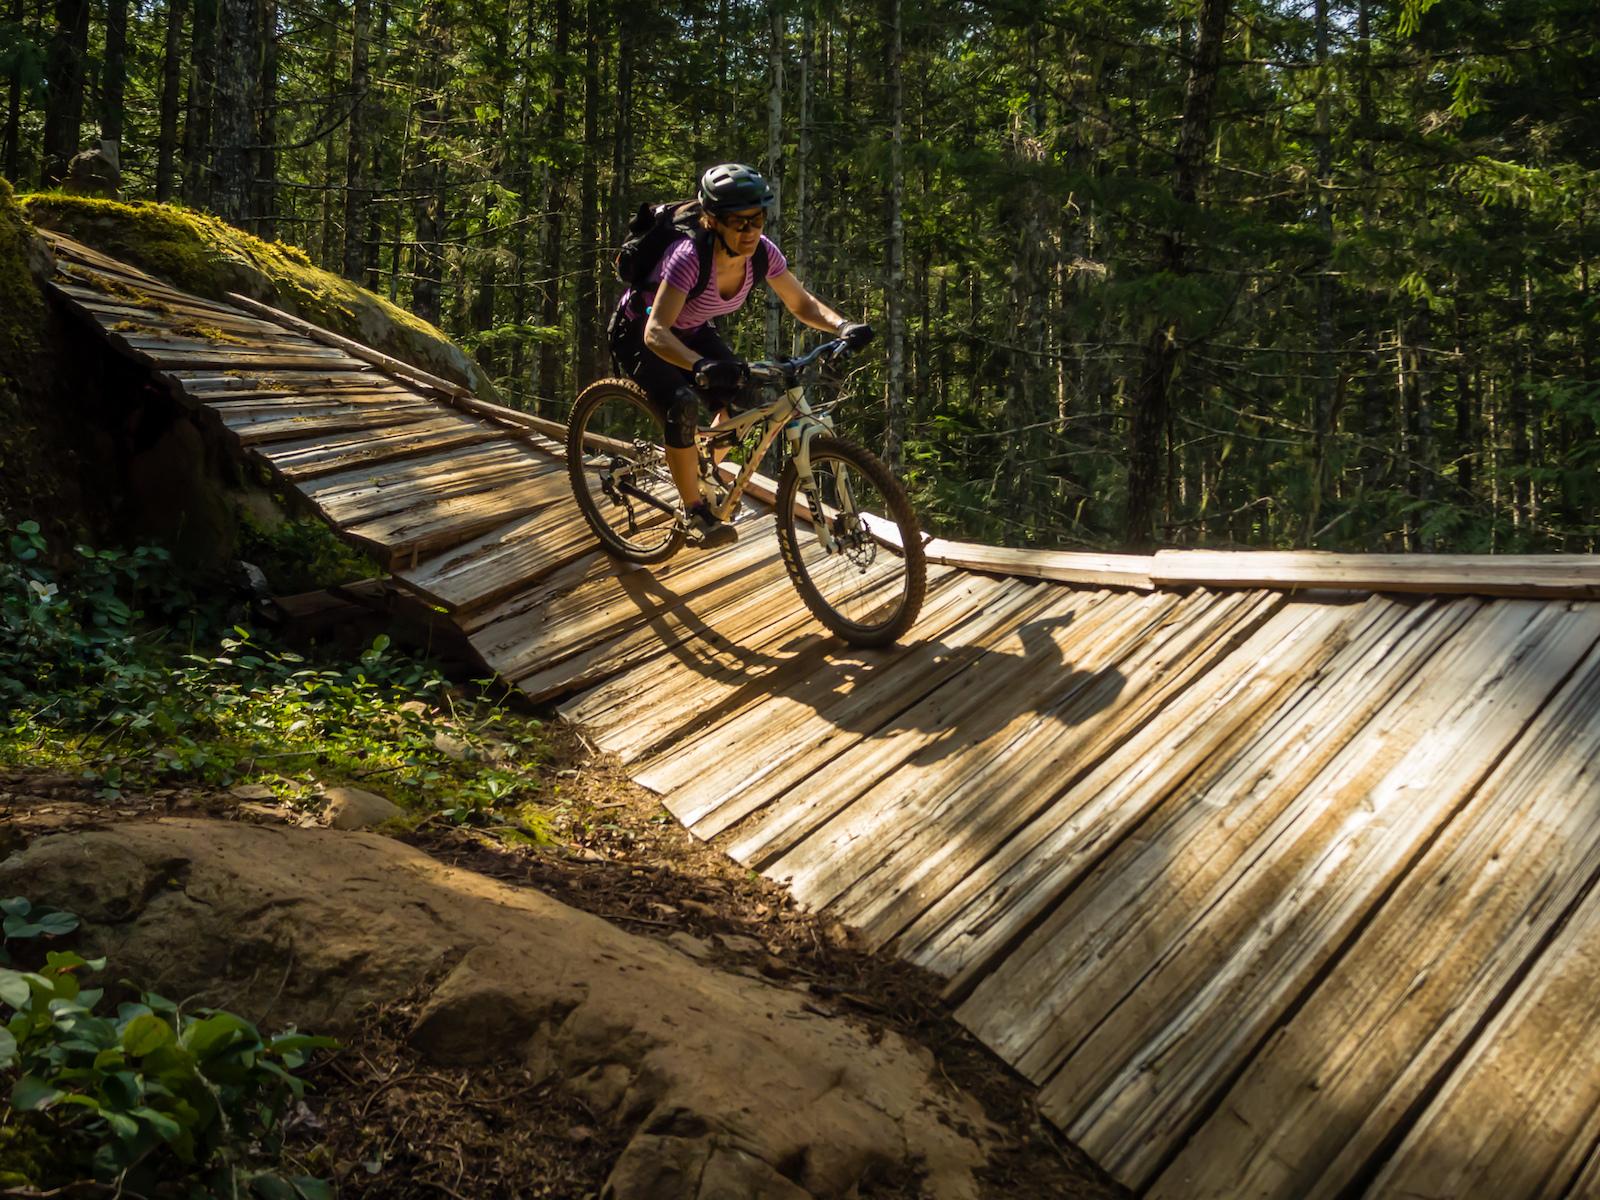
(24, 259)
(198, 253)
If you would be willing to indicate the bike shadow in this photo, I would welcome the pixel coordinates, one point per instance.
(950, 690)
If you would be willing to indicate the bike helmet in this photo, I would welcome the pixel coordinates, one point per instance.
(733, 187)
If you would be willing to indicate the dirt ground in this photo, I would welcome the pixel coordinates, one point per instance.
(492, 1132)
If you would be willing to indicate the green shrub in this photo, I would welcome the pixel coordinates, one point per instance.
(152, 1101)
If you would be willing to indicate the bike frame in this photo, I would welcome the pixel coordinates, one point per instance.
(789, 413)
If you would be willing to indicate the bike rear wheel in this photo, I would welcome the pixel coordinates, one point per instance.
(870, 588)
(619, 472)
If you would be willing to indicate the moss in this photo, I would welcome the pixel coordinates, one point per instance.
(198, 253)
(199, 329)
(22, 310)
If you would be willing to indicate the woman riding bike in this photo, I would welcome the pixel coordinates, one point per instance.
(664, 343)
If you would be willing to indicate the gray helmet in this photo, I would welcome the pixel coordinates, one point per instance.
(733, 187)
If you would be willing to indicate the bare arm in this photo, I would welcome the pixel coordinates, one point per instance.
(807, 309)
(658, 335)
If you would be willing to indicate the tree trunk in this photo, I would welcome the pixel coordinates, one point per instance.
(233, 180)
(267, 156)
(1322, 417)
(483, 300)
(356, 195)
(66, 62)
(775, 38)
(589, 199)
(427, 285)
(114, 73)
(197, 116)
(894, 432)
(171, 79)
(519, 232)
(801, 261)
(549, 382)
(11, 149)
(1148, 422)
(376, 116)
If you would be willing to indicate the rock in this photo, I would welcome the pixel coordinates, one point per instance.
(696, 948)
(352, 808)
(96, 173)
(692, 1061)
(740, 944)
(732, 1174)
(658, 1168)
(454, 747)
(252, 791)
(774, 967)
(266, 812)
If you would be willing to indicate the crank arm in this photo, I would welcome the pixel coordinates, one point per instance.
(638, 493)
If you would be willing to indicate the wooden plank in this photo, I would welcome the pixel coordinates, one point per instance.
(1130, 1092)
(727, 630)
(243, 403)
(315, 458)
(769, 645)
(756, 754)
(643, 619)
(1183, 850)
(929, 842)
(111, 309)
(431, 526)
(941, 716)
(524, 639)
(990, 706)
(208, 383)
(75, 250)
(333, 418)
(684, 650)
(1315, 1110)
(1099, 570)
(963, 932)
(128, 284)
(503, 560)
(1517, 1119)
(370, 491)
(1552, 575)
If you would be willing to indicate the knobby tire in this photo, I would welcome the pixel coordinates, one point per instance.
(899, 580)
(618, 408)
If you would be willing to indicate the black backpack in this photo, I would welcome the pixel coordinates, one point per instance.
(655, 229)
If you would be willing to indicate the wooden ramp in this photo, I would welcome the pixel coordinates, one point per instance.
(1275, 872)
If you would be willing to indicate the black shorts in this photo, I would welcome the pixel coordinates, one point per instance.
(661, 380)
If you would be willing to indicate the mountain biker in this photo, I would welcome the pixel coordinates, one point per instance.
(665, 343)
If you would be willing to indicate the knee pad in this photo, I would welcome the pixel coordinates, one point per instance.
(683, 416)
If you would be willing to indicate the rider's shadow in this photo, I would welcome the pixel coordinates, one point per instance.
(959, 693)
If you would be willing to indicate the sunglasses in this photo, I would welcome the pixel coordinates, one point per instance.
(745, 224)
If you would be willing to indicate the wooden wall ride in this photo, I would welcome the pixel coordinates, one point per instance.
(1275, 872)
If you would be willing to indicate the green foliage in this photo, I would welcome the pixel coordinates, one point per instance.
(301, 555)
(85, 684)
(152, 1100)
(74, 635)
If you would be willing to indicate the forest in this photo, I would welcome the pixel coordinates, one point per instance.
(1250, 273)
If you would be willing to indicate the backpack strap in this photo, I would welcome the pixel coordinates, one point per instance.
(705, 252)
(760, 261)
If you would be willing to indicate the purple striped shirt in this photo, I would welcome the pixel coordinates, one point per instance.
(680, 267)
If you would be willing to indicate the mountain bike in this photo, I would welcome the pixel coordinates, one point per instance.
(860, 568)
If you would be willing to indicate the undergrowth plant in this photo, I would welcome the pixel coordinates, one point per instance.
(148, 1102)
(89, 682)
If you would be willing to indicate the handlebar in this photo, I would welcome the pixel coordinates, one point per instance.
(787, 370)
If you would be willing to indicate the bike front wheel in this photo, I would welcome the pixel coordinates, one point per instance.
(868, 585)
(619, 472)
